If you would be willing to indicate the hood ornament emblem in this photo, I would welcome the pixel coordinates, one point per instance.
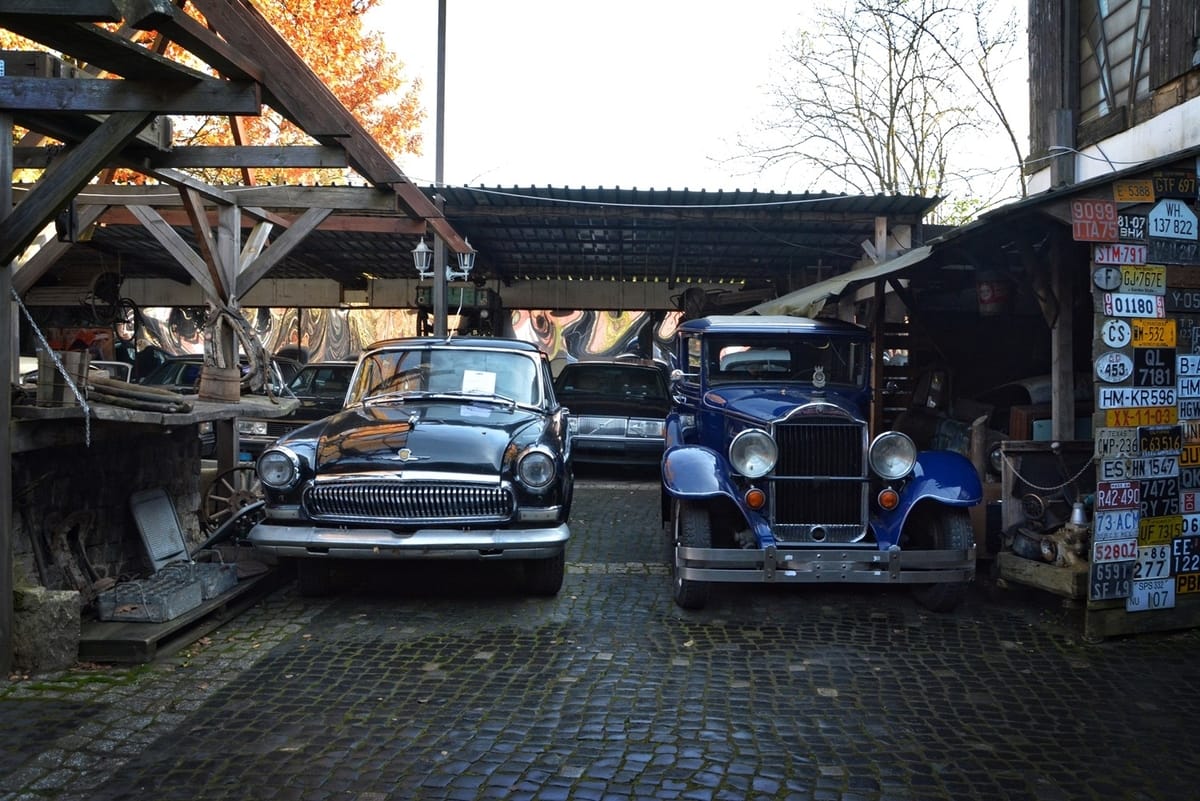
(406, 455)
(819, 377)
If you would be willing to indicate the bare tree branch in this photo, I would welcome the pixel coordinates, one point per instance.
(881, 96)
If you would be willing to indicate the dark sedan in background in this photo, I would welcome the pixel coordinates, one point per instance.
(617, 410)
(321, 389)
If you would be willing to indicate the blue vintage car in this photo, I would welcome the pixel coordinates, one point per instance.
(446, 449)
(771, 474)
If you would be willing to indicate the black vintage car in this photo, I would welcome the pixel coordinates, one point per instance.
(450, 448)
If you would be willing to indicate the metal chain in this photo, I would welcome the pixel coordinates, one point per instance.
(58, 365)
(1086, 466)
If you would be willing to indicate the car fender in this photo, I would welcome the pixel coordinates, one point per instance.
(944, 477)
(692, 471)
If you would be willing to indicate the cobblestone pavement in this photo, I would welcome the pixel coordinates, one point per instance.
(442, 682)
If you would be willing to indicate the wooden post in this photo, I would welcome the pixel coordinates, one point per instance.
(1062, 343)
(8, 324)
(878, 327)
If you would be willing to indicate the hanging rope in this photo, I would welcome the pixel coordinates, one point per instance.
(224, 323)
(1087, 465)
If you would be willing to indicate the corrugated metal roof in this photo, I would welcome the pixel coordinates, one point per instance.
(538, 233)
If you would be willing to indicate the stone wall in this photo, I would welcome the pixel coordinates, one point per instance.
(72, 521)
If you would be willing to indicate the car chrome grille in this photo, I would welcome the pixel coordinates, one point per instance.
(820, 486)
(409, 502)
(277, 429)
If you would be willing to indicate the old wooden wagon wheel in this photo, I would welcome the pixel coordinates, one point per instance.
(231, 491)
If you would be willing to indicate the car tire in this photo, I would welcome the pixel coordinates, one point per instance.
(942, 528)
(545, 576)
(691, 529)
(314, 577)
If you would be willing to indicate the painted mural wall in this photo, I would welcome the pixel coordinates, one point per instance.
(340, 334)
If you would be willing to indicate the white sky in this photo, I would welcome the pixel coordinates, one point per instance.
(651, 94)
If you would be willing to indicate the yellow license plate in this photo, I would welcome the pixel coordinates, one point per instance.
(1149, 333)
(1142, 416)
(1159, 530)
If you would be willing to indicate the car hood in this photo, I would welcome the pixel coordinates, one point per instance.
(770, 404)
(457, 437)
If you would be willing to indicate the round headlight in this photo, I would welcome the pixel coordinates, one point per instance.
(996, 459)
(753, 453)
(893, 455)
(536, 469)
(278, 468)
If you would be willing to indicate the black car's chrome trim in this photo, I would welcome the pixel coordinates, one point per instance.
(373, 543)
(407, 502)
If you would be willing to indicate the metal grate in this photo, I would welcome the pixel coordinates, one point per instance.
(822, 447)
(409, 503)
(820, 485)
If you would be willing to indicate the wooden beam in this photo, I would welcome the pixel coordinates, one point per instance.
(89, 95)
(173, 243)
(74, 128)
(270, 156)
(74, 10)
(228, 251)
(344, 198)
(37, 264)
(211, 49)
(205, 241)
(401, 226)
(64, 180)
(255, 243)
(9, 333)
(279, 249)
(318, 112)
(98, 47)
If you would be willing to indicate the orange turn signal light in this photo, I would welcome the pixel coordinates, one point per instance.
(756, 498)
(888, 499)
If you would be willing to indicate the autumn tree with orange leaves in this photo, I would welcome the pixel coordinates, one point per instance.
(353, 62)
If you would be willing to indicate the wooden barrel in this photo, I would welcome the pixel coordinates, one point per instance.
(52, 388)
(220, 384)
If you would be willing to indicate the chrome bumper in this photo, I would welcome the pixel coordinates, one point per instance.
(827, 565)
(374, 543)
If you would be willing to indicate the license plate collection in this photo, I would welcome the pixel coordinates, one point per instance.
(1146, 523)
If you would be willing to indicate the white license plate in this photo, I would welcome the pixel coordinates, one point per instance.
(1153, 562)
(1151, 594)
(1115, 550)
(1119, 524)
(1112, 442)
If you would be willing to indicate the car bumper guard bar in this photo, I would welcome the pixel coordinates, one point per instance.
(828, 565)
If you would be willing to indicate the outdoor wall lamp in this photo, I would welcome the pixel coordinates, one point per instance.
(423, 256)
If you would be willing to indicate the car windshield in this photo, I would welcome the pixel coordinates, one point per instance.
(175, 372)
(322, 380)
(449, 371)
(818, 360)
(609, 381)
